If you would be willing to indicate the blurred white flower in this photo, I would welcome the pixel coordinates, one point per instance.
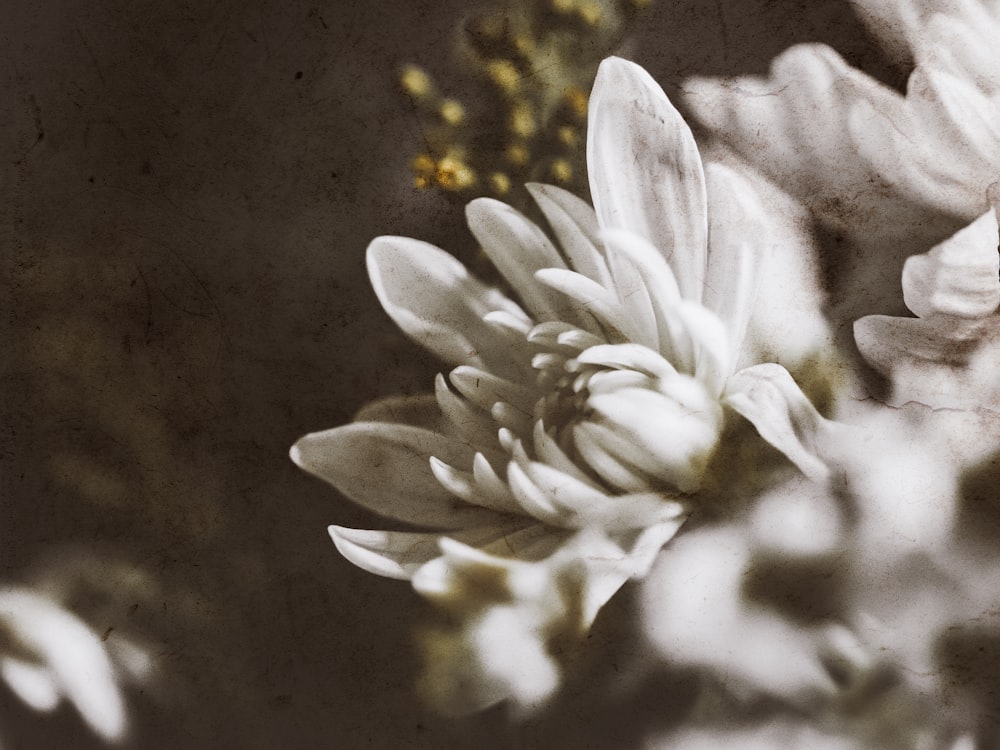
(809, 121)
(50, 654)
(573, 434)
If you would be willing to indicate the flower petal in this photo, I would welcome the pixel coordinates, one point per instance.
(434, 300)
(399, 554)
(517, 248)
(770, 399)
(960, 276)
(385, 467)
(931, 361)
(738, 237)
(420, 411)
(575, 225)
(591, 296)
(645, 170)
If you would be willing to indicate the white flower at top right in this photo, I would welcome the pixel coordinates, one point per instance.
(808, 122)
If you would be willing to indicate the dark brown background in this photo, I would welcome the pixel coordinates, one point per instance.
(188, 190)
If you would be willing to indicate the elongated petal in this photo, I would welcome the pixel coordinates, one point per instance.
(627, 357)
(575, 225)
(435, 301)
(581, 505)
(958, 277)
(738, 239)
(769, 398)
(517, 248)
(670, 435)
(645, 170)
(419, 411)
(398, 554)
(591, 296)
(385, 468)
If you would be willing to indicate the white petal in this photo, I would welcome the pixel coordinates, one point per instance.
(517, 248)
(738, 238)
(770, 399)
(470, 422)
(959, 276)
(398, 554)
(575, 225)
(420, 411)
(670, 437)
(72, 653)
(628, 357)
(385, 468)
(581, 505)
(548, 450)
(592, 297)
(485, 389)
(435, 301)
(601, 449)
(32, 683)
(645, 170)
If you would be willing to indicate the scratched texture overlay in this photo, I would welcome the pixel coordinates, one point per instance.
(188, 189)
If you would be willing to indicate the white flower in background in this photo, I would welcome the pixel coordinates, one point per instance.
(807, 124)
(49, 655)
(573, 434)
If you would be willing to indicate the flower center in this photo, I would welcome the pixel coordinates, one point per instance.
(625, 416)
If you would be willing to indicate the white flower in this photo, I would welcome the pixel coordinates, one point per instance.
(807, 124)
(572, 435)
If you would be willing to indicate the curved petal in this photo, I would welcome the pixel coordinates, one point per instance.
(434, 300)
(960, 276)
(385, 467)
(420, 411)
(517, 248)
(645, 169)
(769, 398)
(738, 237)
(575, 225)
(399, 554)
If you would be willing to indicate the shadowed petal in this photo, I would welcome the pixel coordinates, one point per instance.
(420, 411)
(385, 467)
(575, 225)
(517, 248)
(769, 398)
(398, 554)
(645, 170)
(432, 297)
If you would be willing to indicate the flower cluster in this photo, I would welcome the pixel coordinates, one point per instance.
(645, 403)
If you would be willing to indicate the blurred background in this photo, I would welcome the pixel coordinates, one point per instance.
(188, 189)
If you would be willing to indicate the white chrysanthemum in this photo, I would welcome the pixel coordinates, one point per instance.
(575, 429)
(809, 121)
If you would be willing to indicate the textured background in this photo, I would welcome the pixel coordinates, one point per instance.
(188, 190)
